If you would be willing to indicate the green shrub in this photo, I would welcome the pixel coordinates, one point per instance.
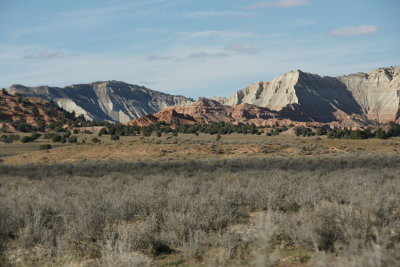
(321, 131)
(6, 139)
(27, 139)
(114, 137)
(73, 139)
(41, 126)
(22, 126)
(44, 146)
(56, 138)
(95, 140)
(102, 131)
(381, 134)
(35, 136)
(59, 129)
(75, 131)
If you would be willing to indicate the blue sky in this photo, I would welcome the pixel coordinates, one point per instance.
(195, 48)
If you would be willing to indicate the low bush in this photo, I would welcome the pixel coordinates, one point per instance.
(114, 137)
(27, 139)
(339, 211)
(73, 139)
(45, 147)
(95, 140)
(8, 139)
(56, 138)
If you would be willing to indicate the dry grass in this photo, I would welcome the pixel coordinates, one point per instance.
(301, 211)
(133, 148)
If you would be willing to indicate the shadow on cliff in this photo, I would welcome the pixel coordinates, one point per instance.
(321, 99)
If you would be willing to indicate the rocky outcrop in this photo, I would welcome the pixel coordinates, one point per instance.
(207, 110)
(304, 96)
(29, 110)
(104, 101)
(168, 116)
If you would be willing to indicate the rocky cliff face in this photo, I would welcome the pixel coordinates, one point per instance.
(309, 97)
(112, 101)
(377, 93)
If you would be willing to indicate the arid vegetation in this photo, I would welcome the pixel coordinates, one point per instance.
(327, 211)
(75, 192)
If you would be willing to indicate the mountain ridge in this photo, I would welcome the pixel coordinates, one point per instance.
(296, 95)
(373, 96)
(104, 101)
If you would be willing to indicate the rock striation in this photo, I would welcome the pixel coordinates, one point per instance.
(104, 101)
(302, 96)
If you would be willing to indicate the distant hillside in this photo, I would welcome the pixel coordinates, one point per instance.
(309, 97)
(207, 110)
(104, 101)
(33, 111)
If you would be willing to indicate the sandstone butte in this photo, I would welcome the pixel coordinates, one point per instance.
(299, 98)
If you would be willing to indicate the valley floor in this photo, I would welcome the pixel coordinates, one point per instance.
(245, 200)
(190, 146)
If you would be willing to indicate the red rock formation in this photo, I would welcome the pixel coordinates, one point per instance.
(168, 116)
(31, 110)
(206, 111)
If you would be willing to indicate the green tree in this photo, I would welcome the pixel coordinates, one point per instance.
(381, 134)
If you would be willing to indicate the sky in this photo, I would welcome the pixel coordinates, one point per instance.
(192, 47)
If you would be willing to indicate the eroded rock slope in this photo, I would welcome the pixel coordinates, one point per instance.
(104, 101)
(309, 97)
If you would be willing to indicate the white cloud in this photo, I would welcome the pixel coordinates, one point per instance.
(203, 55)
(45, 55)
(278, 4)
(357, 30)
(109, 9)
(157, 58)
(212, 13)
(217, 34)
(242, 48)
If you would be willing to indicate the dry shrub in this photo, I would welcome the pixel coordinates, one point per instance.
(345, 209)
